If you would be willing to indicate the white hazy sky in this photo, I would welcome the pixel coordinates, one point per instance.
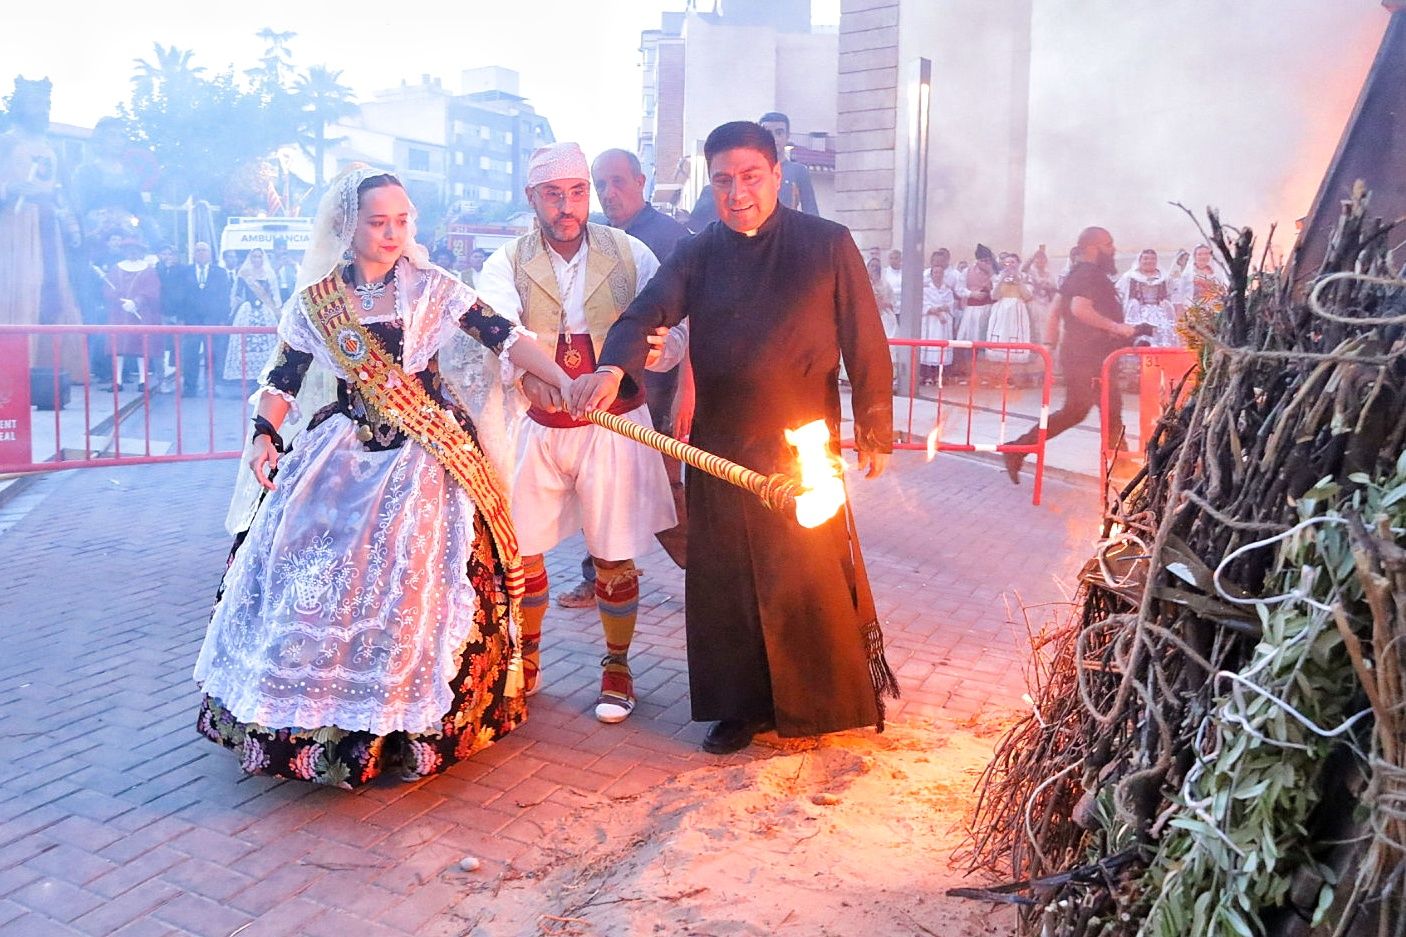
(579, 61)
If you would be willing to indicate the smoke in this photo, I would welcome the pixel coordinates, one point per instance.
(1238, 106)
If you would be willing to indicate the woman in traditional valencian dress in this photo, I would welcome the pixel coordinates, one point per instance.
(1044, 285)
(1205, 285)
(1147, 298)
(939, 315)
(1010, 312)
(256, 302)
(365, 622)
(888, 311)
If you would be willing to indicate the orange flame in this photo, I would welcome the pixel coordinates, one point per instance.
(821, 474)
(935, 437)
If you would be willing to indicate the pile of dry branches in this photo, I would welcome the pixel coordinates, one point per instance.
(1131, 764)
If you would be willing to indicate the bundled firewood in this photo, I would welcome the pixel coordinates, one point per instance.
(1216, 738)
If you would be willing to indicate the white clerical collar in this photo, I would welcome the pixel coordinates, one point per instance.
(132, 266)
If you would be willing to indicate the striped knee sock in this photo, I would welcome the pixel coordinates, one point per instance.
(534, 609)
(618, 601)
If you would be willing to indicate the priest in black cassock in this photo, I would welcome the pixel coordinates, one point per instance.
(780, 621)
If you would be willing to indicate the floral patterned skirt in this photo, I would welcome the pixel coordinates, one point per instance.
(480, 714)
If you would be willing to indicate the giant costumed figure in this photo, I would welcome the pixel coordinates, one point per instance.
(34, 284)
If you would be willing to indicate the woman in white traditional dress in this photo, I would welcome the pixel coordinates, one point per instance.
(1043, 286)
(256, 300)
(1010, 312)
(364, 623)
(1204, 285)
(1147, 297)
(939, 315)
(888, 310)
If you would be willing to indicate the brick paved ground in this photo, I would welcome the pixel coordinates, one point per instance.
(115, 818)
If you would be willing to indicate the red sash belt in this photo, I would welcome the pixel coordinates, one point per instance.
(577, 356)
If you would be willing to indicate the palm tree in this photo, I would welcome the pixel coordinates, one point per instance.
(171, 71)
(323, 100)
(277, 59)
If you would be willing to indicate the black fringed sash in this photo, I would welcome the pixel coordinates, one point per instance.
(880, 673)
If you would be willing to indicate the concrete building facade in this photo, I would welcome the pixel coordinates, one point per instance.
(467, 150)
(737, 62)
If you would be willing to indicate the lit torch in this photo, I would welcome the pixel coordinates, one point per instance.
(822, 479)
(814, 499)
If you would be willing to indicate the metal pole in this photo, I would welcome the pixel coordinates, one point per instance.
(915, 207)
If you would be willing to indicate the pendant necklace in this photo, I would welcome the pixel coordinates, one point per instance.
(370, 292)
(572, 358)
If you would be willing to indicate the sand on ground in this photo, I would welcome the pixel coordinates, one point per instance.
(847, 834)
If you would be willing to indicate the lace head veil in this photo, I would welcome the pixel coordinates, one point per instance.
(465, 365)
(335, 225)
(333, 229)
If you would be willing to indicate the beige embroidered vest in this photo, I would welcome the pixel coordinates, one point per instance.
(611, 279)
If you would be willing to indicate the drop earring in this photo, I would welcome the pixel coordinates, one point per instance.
(348, 256)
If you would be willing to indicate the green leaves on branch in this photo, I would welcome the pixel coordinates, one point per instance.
(1238, 834)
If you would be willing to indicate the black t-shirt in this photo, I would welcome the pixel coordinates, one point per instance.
(1082, 340)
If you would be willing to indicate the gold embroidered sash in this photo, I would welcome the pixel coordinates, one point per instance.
(403, 401)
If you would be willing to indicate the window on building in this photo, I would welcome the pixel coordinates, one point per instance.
(458, 157)
(648, 106)
(459, 189)
(418, 160)
(485, 163)
(484, 133)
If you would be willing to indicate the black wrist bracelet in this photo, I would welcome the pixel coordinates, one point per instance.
(262, 427)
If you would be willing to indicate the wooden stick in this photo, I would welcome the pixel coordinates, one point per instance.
(776, 491)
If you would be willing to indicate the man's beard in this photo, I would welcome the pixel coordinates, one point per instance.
(1106, 264)
(559, 228)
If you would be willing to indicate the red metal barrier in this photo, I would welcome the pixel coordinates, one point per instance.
(1160, 371)
(93, 437)
(988, 360)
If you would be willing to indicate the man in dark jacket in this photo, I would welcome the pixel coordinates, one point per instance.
(199, 296)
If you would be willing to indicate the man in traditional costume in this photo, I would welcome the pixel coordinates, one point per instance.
(132, 290)
(976, 302)
(780, 622)
(568, 281)
(619, 181)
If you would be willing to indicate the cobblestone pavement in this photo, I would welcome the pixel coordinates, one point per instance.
(115, 818)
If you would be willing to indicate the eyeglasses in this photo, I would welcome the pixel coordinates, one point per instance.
(553, 195)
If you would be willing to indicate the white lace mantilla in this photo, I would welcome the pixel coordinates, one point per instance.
(346, 603)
